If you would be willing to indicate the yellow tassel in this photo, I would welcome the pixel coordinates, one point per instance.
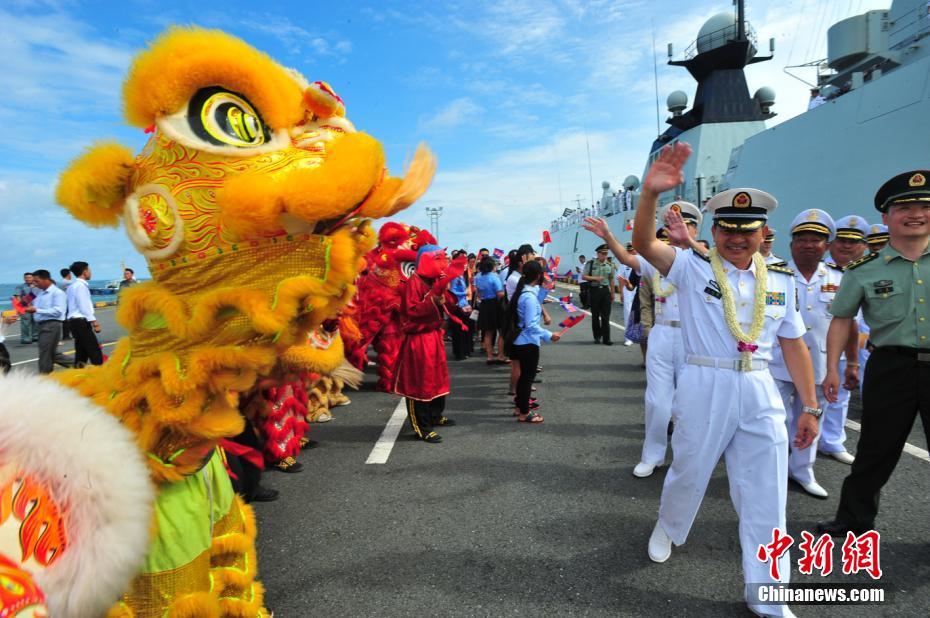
(93, 187)
(195, 605)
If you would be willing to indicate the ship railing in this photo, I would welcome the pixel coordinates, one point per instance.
(718, 38)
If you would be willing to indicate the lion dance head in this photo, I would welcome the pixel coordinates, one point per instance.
(251, 202)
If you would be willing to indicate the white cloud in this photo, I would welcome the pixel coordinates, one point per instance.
(452, 115)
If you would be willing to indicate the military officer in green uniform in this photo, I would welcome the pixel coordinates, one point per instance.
(893, 289)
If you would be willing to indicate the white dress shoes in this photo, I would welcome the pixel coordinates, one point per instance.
(660, 545)
(786, 613)
(814, 489)
(643, 469)
(843, 457)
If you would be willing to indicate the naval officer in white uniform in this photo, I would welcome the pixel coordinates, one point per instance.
(848, 245)
(665, 355)
(732, 309)
(816, 283)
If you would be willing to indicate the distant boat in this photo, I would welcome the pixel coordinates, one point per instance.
(111, 288)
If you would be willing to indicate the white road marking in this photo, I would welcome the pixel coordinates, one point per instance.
(32, 360)
(909, 448)
(384, 445)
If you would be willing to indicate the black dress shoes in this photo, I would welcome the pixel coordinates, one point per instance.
(835, 527)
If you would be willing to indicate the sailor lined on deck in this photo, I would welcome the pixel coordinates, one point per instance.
(892, 288)
(732, 308)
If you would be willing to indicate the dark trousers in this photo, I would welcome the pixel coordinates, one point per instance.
(895, 388)
(584, 294)
(424, 415)
(248, 475)
(65, 330)
(4, 359)
(528, 356)
(600, 312)
(49, 336)
(460, 339)
(27, 328)
(86, 346)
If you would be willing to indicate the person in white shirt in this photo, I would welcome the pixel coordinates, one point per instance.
(49, 309)
(816, 99)
(64, 282)
(732, 308)
(766, 249)
(81, 318)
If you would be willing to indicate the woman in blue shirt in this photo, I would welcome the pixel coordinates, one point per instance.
(526, 313)
(490, 320)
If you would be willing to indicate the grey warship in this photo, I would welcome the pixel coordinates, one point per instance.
(871, 123)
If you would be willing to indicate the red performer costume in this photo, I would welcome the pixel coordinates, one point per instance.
(376, 306)
(422, 374)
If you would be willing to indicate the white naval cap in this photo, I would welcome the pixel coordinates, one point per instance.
(741, 209)
(689, 212)
(852, 227)
(814, 220)
(877, 233)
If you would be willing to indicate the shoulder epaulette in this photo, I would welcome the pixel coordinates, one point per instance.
(706, 258)
(779, 268)
(783, 264)
(834, 266)
(863, 260)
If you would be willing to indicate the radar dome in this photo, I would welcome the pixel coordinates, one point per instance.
(677, 102)
(605, 185)
(765, 96)
(631, 182)
(716, 31)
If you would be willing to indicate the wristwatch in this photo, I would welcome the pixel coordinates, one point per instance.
(815, 412)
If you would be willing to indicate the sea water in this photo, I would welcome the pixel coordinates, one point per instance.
(7, 289)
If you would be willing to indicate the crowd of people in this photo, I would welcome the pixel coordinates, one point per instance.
(51, 310)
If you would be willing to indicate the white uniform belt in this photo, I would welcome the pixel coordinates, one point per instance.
(672, 323)
(733, 364)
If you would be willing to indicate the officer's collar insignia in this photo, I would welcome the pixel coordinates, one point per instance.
(917, 180)
(742, 200)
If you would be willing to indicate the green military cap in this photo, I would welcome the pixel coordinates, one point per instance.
(911, 186)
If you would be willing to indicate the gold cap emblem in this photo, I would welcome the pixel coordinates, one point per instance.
(742, 200)
(675, 208)
(853, 222)
(812, 216)
(917, 180)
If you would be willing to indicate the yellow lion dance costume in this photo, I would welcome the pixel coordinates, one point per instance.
(251, 202)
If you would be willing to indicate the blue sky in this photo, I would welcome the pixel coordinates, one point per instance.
(506, 92)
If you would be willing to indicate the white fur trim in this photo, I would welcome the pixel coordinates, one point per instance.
(91, 465)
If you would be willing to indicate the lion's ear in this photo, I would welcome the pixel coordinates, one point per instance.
(93, 188)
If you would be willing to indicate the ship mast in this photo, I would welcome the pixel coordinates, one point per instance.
(740, 21)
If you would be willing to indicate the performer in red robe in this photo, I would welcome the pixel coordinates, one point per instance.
(422, 375)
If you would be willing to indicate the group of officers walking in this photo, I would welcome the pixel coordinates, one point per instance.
(752, 358)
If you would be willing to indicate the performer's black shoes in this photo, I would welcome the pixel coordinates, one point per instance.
(445, 421)
(264, 494)
(432, 437)
(289, 465)
(608, 343)
(835, 527)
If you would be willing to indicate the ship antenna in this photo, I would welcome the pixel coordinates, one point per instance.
(740, 21)
(655, 74)
(590, 175)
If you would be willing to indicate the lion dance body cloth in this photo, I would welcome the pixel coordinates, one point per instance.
(378, 301)
(251, 202)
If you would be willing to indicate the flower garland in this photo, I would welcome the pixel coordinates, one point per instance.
(657, 288)
(744, 344)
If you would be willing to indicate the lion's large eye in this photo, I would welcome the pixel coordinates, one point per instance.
(225, 118)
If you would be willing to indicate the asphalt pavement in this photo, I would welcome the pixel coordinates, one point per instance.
(504, 519)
